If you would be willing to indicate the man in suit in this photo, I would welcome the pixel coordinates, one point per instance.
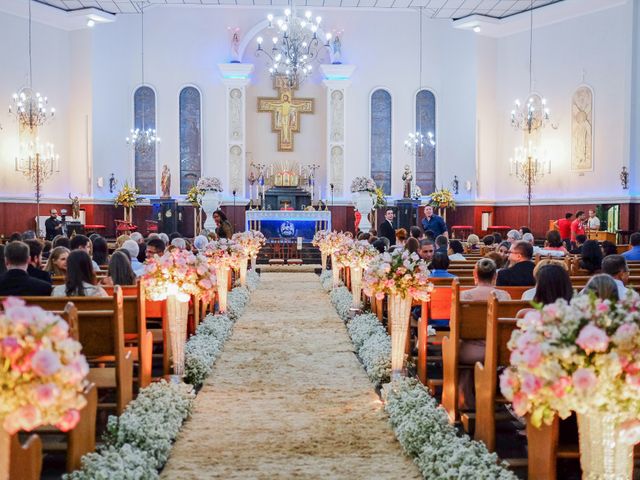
(16, 280)
(520, 274)
(35, 261)
(386, 228)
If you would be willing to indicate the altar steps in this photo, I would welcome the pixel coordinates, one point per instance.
(308, 254)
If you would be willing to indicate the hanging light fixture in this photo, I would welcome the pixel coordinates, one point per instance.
(142, 139)
(29, 106)
(295, 44)
(534, 114)
(416, 143)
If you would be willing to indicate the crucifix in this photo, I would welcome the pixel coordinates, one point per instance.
(285, 112)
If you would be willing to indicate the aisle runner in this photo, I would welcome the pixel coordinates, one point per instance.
(288, 398)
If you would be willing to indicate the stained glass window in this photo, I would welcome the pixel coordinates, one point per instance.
(381, 139)
(144, 113)
(425, 123)
(190, 138)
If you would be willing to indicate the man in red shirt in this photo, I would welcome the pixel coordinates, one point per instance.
(564, 226)
(577, 227)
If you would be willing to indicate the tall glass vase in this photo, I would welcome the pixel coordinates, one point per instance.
(254, 261)
(243, 271)
(399, 311)
(177, 312)
(335, 271)
(603, 456)
(356, 286)
(323, 260)
(222, 275)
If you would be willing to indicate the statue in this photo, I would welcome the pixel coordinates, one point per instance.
(235, 46)
(407, 178)
(336, 51)
(112, 183)
(75, 207)
(165, 182)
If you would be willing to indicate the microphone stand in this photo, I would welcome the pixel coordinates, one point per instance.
(234, 210)
(331, 185)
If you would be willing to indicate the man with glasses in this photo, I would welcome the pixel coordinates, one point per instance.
(520, 273)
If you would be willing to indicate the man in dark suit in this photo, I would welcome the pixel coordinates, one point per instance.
(35, 261)
(520, 273)
(16, 280)
(386, 228)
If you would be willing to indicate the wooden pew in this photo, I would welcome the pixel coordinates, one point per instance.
(17, 461)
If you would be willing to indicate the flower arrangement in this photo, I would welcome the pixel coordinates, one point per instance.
(583, 356)
(443, 198)
(223, 253)
(330, 242)
(194, 196)
(181, 273)
(381, 200)
(43, 372)
(363, 184)
(210, 184)
(127, 196)
(250, 242)
(417, 192)
(398, 272)
(357, 254)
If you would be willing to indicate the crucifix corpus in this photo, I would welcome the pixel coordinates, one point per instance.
(285, 112)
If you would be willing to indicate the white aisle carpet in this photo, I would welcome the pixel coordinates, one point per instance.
(288, 398)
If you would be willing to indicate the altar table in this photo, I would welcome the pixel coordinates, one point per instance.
(288, 223)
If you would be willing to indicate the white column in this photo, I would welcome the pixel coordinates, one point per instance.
(235, 76)
(337, 79)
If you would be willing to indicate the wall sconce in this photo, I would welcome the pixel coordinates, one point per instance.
(468, 185)
(455, 185)
(624, 178)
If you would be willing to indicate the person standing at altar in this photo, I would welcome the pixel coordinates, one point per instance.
(593, 223)
(434, 223)
(223, 228)
(52, 225)
(386, 229)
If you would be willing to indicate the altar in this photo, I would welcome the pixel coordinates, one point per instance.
(288, 223)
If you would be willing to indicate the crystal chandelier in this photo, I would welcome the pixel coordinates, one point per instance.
(416, 143)
(529, 165)
(535, 114)
(295, 45)
(29, 107)
(142, 139)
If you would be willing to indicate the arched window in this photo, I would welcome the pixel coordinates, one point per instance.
(425, 124)
(144, 114)
(381, 139)
(190, 138)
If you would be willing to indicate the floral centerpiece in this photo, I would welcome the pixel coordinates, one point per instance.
(582, 357)
(194, 196)
(401, 276)
(209, 184)
(443, 198)
(175, 276)
(329, 243)
(211, 199)
(128, 198)
(364, 197)
(363, 184)
(381, 199)
(43, 372)
(357, 256)
(251, 242)
(223, 255)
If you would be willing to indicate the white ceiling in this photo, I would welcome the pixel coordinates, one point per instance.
(444, 9)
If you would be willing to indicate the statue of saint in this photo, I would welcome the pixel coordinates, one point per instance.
(112, 183)
(336, 51)
(165, 182)
(75, 207)
(235, 46)
(407, 178)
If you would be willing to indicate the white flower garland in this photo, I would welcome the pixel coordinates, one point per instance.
(326, 279)
(373, 346)
(253, 280)
(202, 350)
(236, 302)
(342, 300)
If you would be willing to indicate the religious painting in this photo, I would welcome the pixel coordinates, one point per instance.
(582, 130)
(144, 114)
(190, 138)
(285, 112)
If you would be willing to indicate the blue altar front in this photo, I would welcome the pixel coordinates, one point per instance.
(289, 224)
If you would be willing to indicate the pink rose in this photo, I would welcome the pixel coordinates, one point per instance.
(380, 296)
(602, 307)
(69, 420)
(10, 348)
(625, 333)
(45, 363)
(23, 364)
(11, 302)
(592, 339)
(46, 394)
(25, 418)
(520, 404)
(530, 384)
(584, 379)
(508, 382)
(559, 387)
(633, 380)
(532, 319)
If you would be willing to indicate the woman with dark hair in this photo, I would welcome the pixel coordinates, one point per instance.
(100, 251)
(591, 260)
(120, 271)
(412, 245)
(552, 283)
(503, 250)
(81, 279)
(524, 230)
(439, 266)
(456, 250)
(609, 248)
(224, 228)
(61, 241)
(554, 242)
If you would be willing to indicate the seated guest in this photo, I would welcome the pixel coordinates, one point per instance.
(15, 237)
(633, 254)
(57, 263)
(473, 243)
(142, 246)
(380, 244)
(361, 236)
(513, 236)
(46, 249)
(520, 273)
(580, 239)
(484, 277)
(174, 235)
(28, 235)
(200, 242)
(498, 259)
(429, 235)
(61, 241)
(401, 237)
(608, 248)
(497, 237)
(503, 249)
(455, 250)
(35, 261)
(603, 286)
(531, 293)
(442, 244)
(120, 271)
(179, 243)
(439, 266)
(416, 232)
(121, 239)
(155, 246)
(525, 230)
(528, 237)
(16, 280)
(553, 284)
(100, 251)
(412, 245)
(132, 247)
(591, 259)
(81, 242)
(553, 245)
(81, 278)
(427, 249)
(488, 240)
(372, 239)
(165, 238)
(616, 266)
(3, 267)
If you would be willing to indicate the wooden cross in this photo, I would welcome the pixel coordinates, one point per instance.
(285, 112)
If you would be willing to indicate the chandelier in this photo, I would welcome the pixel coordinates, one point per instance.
(535, 114)
(142, 139)
(416, 142)
(29, 107)
(529, 165)
(295, 45)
